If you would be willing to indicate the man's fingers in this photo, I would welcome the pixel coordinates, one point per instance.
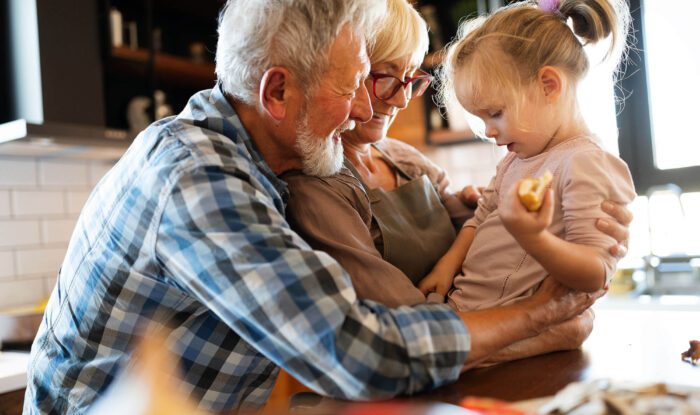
(620, 232)
(619, 212)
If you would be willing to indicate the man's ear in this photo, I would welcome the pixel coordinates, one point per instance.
(551, 82)
(274, 92)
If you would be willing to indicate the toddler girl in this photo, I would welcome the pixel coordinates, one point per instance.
(517, 70)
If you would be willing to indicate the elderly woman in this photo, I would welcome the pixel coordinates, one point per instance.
(389, 215)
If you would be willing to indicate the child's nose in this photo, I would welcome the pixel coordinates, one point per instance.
(491, 131)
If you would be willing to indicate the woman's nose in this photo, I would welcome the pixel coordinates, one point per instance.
(400, 98)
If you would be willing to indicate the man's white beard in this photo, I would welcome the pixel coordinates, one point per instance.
(320, 156)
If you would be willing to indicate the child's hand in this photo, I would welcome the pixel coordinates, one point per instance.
(439, 280)
(522, 223)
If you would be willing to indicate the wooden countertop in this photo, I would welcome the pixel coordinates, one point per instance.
(631, 345)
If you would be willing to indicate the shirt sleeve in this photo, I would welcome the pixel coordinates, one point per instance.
(488, 202)
(588, 178)
(333, 215)
(221, 239)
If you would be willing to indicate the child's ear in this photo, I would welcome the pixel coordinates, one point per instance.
(551, 82)
(274, 92)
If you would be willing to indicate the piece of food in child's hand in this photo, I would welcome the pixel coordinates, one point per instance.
(531, 191)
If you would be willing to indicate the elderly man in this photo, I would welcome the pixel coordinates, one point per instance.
(188, 230)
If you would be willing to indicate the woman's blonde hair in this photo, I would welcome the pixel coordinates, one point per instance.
(403, 32)
(507, 49)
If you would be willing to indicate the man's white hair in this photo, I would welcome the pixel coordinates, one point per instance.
(255, 35)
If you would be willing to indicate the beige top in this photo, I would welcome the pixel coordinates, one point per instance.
(333, 214)
(497, 270)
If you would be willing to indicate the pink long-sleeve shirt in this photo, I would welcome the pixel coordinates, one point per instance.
(497, 270)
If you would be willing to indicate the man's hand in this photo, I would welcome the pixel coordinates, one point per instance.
(618, 230)
(553, 303)
(568, 335)
(522, 223)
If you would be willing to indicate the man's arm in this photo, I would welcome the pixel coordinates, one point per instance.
(222, 239)
(568, 335)
(494, 329)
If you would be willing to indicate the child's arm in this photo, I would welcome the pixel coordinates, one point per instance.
(576, 266)
(439, 280)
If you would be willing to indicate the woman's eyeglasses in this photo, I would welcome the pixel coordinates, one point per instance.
(385, 86)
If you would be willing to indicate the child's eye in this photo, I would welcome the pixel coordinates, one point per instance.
(495, 114)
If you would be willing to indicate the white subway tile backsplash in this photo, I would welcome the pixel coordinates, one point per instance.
(49, 283)
(98, 170)
(35, 203)
(17, 171)
(19, 233)
(7, 264)
(76, 201)
(473, 163)
(21, 292)
(4, 203)
(64, 174)
(40, 200)
(57, 230)
(39, 261)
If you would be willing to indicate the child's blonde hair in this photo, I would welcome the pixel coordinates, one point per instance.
(507, 49)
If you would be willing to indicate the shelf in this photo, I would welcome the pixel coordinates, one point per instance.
(171, 69)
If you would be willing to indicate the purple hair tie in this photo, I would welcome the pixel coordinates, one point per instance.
(549, 6)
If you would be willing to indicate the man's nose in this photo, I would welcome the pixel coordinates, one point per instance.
(361, 107)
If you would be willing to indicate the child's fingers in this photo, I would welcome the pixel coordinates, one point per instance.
(442, 289)
(426, 285)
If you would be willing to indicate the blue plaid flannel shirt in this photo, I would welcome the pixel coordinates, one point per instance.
(188, 230)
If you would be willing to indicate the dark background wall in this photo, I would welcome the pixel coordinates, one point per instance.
(4, 65)
(71, 69)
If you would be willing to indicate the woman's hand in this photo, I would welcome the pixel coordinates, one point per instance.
(470, 195)
(522, 223)
(618, 230)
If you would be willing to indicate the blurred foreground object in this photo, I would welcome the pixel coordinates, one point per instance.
(606, 397)
(149, 385)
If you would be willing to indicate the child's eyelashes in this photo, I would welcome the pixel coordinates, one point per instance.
(495, 114)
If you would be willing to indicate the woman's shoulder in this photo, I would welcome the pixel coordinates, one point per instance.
(303, 187)
(411, 160)
(401, 151)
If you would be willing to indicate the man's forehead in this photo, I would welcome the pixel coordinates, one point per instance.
(349, 56)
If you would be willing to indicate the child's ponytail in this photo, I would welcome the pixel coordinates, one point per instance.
(595, 20)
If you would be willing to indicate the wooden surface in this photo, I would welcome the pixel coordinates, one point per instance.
(11, 402)
(641, 345)
(632, 345)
